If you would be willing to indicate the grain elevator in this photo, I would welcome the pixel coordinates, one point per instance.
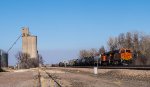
(29, 43)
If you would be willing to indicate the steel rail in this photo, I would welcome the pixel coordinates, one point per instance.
(52, 78)
(114, 67)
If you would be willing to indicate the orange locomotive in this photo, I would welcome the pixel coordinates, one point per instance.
(126, 54)
(117, 57)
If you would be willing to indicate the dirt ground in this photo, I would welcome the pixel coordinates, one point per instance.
(19, 78)
(79, 77)
(76, 77)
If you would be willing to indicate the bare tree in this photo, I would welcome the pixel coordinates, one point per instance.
(145, 48)
(112, 43)
(92, 52)
(40, 59)
(83, 54)
(121, 41)
(24, 60)
(87, 53)
(136, 41)
(102, 50)
(128, 41)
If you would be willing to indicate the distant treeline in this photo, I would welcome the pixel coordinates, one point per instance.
(137, 42)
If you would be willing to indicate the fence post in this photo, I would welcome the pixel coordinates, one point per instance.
(95, 70)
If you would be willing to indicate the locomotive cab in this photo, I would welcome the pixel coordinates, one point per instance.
(104, 60)
(126, 56)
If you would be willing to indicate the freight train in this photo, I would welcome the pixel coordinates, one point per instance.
(120, 57)
(117, 57)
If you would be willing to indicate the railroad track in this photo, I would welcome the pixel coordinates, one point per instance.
(50, 76)
(125, 67)
(115, 67)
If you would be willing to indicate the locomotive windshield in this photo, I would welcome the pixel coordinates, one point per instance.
(128, 51)
(122, 51)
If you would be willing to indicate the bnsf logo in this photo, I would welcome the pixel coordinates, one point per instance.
(126, 56)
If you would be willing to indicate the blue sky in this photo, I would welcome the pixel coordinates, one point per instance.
(64, 27)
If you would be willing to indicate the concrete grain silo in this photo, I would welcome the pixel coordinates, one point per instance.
(29, 43)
